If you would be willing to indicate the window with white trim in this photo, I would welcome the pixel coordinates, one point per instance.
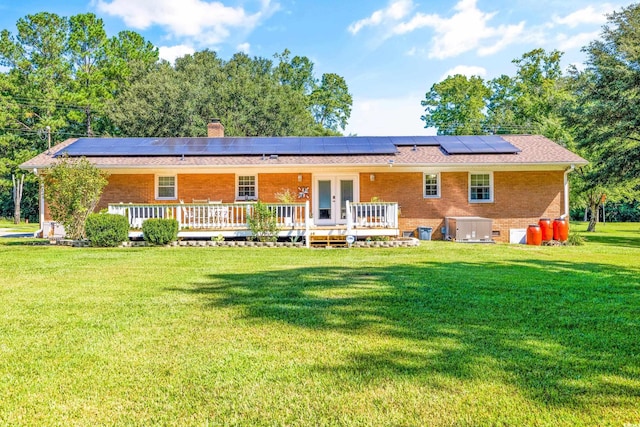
(166, 187)
(481, 187)
(431, 185)
(247, 186)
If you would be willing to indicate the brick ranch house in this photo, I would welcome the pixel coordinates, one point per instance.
(360, 186)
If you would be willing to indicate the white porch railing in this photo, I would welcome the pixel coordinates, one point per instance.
(212, 215)
(293, 219)
(372, 215)
(138, 213)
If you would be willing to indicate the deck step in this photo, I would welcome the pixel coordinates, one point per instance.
(328, 240)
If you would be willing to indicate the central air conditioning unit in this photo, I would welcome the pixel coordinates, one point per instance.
(469, 229)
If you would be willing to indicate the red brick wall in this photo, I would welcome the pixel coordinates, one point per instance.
(269, 184)
(213, 187)
(128, 188)
(141, 188)
(520, 199)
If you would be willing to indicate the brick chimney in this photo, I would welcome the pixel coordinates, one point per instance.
(215, 129)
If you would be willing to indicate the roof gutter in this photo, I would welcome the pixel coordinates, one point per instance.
(383, 164)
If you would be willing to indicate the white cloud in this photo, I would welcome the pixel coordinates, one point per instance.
(465, 70)
(450, 41)
(388, 116)
(508, 35)
(588, 15)
(244, 47)
(205, 22)
(419, 20)
(396, 10)
(171, 53)
(467, 29)
(565, 42)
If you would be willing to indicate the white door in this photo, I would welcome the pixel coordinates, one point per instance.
(330, 198)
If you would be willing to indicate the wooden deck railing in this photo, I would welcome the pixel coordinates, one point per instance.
(372, 215)
(212, 215)
(293, 219)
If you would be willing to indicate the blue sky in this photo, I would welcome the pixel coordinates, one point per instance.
(389, 51)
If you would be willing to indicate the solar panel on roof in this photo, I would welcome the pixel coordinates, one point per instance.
(234, 146)
(453, 145)
(230, 146)
(489, 144)
(312, 149)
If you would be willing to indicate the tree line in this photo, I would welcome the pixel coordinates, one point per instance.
(594, 110)
(65, 77)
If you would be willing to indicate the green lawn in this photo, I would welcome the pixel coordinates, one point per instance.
(441, 335)
(23, 227)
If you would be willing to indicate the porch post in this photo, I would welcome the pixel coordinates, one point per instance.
(41, 205)
(396, 223)
(349, 217)
(307, 225)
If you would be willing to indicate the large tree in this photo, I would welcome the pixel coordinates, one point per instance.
(130, 57)
(155, 105)
(252, 97)
(61, 74)
(38, 70)
(296, 72)
(331, 102)
(88, 57)
(254, 103)
(328, 100)
(528, 102)
(456, 105)
(31, 93)
(607, 116)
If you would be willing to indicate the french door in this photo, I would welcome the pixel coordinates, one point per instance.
(330, 198)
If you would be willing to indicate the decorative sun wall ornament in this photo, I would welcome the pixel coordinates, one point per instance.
(303, 192)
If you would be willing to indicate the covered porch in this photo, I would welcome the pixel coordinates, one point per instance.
(294, 220)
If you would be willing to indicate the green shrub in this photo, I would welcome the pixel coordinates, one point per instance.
(107, 230)
(73, 187)
(160, 231)
(575, 239)
(263, 223)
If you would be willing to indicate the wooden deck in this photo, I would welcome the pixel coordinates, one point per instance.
(230, 220)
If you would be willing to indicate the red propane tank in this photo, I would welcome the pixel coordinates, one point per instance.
(547, 229)
(560, 229)
(534, 235)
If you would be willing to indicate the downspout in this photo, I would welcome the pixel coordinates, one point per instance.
(566, 191)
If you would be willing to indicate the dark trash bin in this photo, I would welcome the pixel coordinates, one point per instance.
(424, 233)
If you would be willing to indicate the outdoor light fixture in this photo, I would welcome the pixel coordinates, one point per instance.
(372, 177)
(299, 177)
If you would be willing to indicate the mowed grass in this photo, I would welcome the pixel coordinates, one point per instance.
(440, 335)
(23, 227)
